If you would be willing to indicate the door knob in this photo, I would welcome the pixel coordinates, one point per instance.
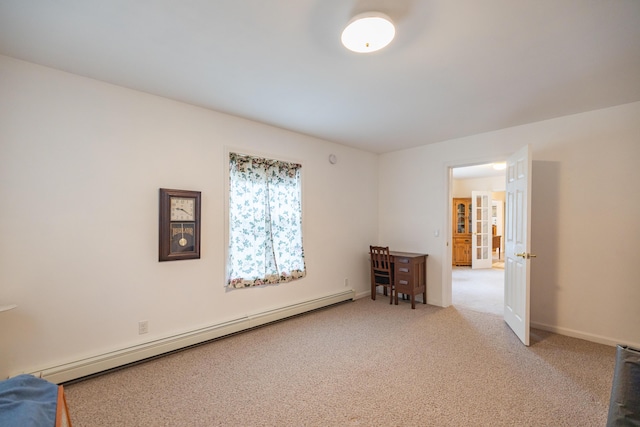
(526, 255)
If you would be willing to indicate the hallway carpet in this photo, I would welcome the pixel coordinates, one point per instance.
(480, 290)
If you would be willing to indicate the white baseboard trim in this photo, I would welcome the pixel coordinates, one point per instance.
(582, 335)
(99, 363)
(362, 294)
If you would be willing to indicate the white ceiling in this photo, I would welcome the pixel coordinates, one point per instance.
(456, 67)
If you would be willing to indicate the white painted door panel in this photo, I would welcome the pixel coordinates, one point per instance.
(518, 244)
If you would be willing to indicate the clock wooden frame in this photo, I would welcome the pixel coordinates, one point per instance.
(179, 232)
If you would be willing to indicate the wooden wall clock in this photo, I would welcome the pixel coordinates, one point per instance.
(179, 225)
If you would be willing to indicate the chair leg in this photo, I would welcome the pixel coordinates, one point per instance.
(413, 301)
(424, 297)
(390, 295)
(373, 292)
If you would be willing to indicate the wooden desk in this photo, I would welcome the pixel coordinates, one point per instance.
(409, 275)
(496, 244)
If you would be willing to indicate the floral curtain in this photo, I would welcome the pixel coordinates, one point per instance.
(265, 222)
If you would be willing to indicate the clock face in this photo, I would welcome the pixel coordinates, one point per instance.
(182, 209)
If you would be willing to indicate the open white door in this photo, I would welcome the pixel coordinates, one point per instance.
(517, 243)
(481, 251)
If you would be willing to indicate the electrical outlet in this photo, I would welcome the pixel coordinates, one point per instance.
(143, 327)
(346, 283)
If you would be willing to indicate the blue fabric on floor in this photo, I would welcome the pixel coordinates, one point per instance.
(27, 401)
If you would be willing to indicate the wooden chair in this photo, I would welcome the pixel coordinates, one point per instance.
(381, 271)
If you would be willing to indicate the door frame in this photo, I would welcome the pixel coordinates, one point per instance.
(447, 242)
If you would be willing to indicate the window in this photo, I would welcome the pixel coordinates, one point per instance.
(265, 222)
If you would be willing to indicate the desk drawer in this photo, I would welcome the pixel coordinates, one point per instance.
(402, 260)
(403, 269)
(402, 265)
(404, 279)
(406, 284)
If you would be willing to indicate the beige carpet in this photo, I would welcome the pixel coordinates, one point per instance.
(362, 363)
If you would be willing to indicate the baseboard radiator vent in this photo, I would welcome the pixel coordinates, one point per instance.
(104, 362)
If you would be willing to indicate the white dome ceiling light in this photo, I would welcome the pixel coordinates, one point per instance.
(368, 32)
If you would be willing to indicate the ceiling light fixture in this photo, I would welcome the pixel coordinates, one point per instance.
(499, 166)
(368, 32)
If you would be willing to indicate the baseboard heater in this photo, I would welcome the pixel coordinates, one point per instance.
(93, 365)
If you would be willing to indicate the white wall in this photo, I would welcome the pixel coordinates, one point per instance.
(464, 187)
(585, 228)
(81, 163)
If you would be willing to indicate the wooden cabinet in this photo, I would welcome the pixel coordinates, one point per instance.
(461, 238)
(462, 251)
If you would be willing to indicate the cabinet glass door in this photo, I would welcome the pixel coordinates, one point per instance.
(461, 217)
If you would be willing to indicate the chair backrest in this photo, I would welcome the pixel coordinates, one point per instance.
(380, 264)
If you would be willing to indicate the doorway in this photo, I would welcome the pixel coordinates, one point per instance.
(479, 289)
